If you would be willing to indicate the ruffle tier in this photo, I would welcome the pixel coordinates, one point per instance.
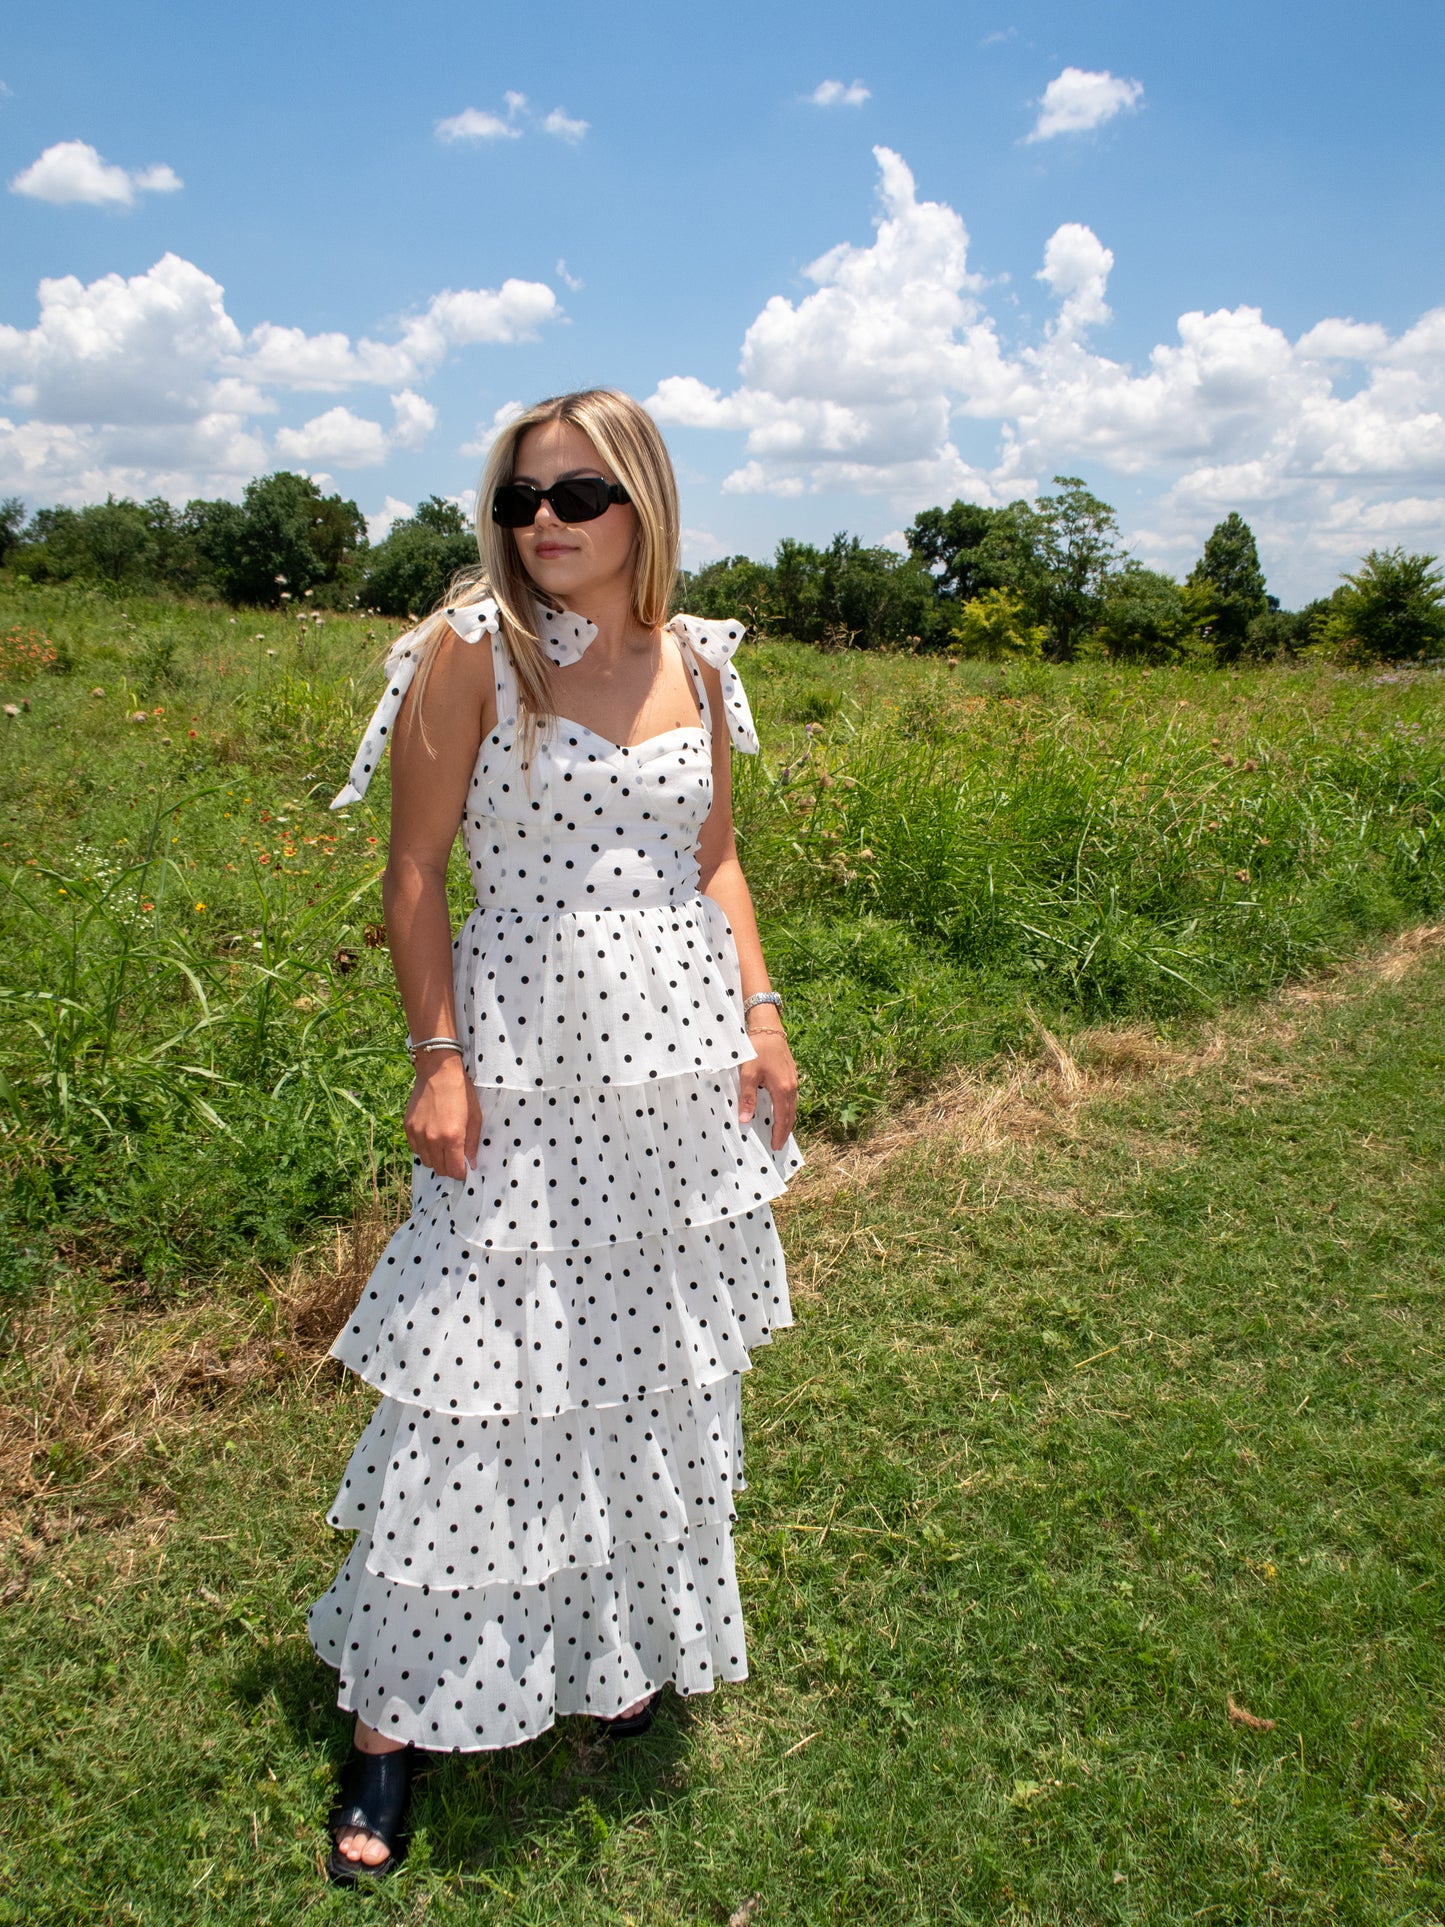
(599, 998)
(538, 1333)
(452, 1669)
(473, 1503)
(569, 1171)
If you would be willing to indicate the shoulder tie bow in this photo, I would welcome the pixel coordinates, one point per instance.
(716, 641)
(471, 622)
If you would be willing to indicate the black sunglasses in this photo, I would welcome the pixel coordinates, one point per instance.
(581, 499)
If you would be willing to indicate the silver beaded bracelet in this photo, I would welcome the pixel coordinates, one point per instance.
(763, 997)
(436, 1043)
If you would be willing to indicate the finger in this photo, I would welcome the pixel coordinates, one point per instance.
(474, 1131)
(747, 1093)
(785, 1110)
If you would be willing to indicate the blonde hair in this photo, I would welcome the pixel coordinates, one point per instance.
(627, 439)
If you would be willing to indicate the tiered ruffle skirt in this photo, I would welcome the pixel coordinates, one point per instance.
(543, 1499)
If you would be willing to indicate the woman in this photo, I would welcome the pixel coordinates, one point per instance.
(602, 1113)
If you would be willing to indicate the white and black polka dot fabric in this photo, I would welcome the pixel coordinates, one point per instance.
(543, 1499)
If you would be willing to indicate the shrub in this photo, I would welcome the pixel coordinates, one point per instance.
(994, 627)
(1393, 607)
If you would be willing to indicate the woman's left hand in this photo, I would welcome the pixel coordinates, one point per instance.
(773, 1068)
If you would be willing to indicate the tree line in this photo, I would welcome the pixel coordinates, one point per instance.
(1048, 578)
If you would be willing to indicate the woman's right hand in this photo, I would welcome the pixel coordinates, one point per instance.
(444, 1115)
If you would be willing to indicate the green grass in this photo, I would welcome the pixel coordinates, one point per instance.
(939, 854)
(1076, 1441)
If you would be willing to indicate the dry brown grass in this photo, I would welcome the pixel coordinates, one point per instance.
(975, 1114)
(85, 1387)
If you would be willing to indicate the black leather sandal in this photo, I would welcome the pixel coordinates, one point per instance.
(375, 1791)
(634, 1724)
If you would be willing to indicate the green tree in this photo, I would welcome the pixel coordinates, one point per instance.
(410, 571)
(733, 586)
(116, 542)
(1229, 569)
(1391, 608)
(849, 596)
(1145, 617)
(951, 544)
(1079, 551)
(286, 537)
(12, 521)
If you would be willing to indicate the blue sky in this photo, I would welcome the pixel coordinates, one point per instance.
(248, 222)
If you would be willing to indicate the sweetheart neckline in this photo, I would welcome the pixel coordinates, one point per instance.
(626, 749)
(682, 729)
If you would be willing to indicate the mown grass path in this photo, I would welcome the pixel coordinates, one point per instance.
(1091, 1430)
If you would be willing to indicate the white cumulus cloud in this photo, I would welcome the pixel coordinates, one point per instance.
(476, 124)
(833, 93)
(145, 385)
(72, 171)
(1077, 100)
(560, 124)
(415, 419)
(337, 436)
(392, 511)
(457, 318)
(865, 385)
(481, 443)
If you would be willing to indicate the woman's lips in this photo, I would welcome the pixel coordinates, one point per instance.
(554, 548)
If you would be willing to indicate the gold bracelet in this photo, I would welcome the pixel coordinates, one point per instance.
(768, 1030)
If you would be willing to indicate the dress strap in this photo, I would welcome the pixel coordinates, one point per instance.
(471, 621)
(715, 642)
(504, 675)
(694, 669)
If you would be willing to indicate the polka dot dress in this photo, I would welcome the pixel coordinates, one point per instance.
(543, 1499)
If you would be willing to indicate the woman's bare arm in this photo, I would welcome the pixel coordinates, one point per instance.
(722, 879)
(431, 771)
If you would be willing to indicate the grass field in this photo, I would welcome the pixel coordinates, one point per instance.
(1115, 1402)
(192, 970)
(1091, 1551)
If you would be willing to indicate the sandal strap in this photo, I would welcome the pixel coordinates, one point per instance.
(374, 1792)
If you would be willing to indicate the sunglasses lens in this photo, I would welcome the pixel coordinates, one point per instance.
(580, 500)
(515, 505)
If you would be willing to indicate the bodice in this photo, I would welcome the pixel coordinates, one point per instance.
(584, 823)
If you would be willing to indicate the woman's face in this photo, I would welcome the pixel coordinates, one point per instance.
(569, 560)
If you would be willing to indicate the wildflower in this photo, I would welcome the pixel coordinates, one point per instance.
(139, 716)
(158, 712)
(263, 857)
(1241, 876)
(97, 691)
(1251, 764)
(200, 906)
(270, 652)
(371, 839)
(12, 709)
(279, 580)
(192, 734)
(1228, 761)
(285, 595)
